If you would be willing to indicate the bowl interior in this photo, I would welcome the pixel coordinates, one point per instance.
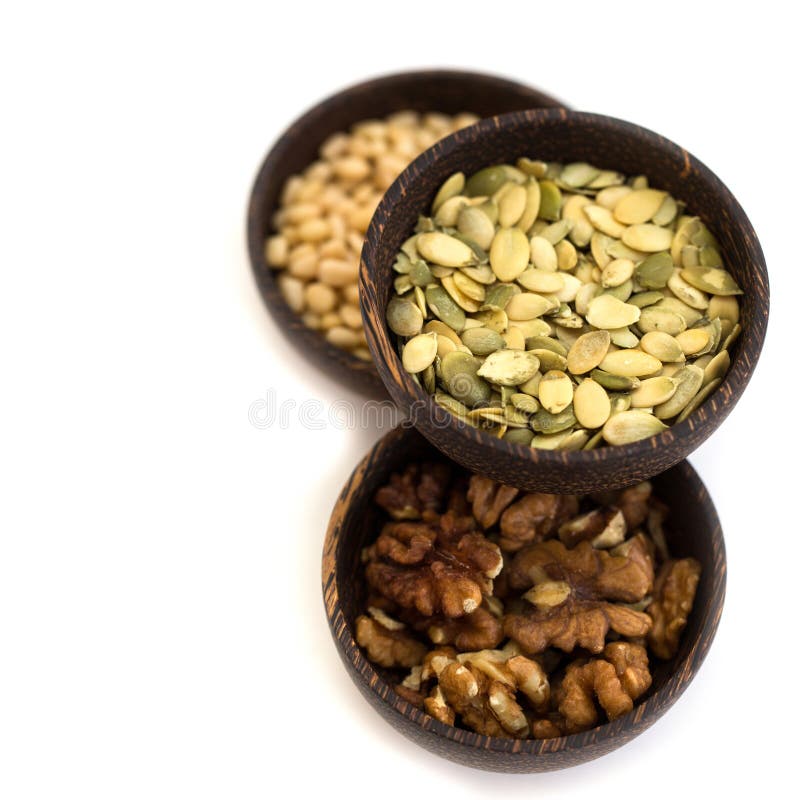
(447, 91)
(561, 135)
(692, 529)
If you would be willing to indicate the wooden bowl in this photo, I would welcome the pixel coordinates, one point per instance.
(693, 530)
(440, 90)
(563, 136)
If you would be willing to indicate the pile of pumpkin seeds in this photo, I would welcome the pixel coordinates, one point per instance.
(563, 306)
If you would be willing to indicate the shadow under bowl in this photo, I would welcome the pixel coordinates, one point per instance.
(565, 136)
(693, 529)
(446, 91)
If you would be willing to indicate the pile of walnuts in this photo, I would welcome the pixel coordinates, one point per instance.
(521, 614)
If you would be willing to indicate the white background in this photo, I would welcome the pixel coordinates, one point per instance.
(162, 632)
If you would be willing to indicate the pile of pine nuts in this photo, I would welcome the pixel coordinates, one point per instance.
(326, 210)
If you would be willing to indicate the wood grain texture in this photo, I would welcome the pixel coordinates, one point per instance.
(440, 90)
(563, 135)
(693, 530)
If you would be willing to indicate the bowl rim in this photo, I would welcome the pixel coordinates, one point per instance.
(625, 727)
(263, 273)
(410, 395)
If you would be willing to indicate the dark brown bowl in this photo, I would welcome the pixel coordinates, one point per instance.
(437, 90)
(693, 530)
(562, 135)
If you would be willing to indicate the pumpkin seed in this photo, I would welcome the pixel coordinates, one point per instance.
(498, 295)
(712, 280)
(530, 167)
(693, 341)
(555, 391)
(616, 272)
(555, 232)
(549, 360)
(488, 180)
(686, 293)
(545, 422)
(549, 441)
(732, 337)
(599, 245)
(591, 404)
(482, 274)
(451, 404)
(519, 436)
(460, 377)
(511, 206)
(509, 253)
(447, 251)
(448, 311)
(603, 220)
(538, 342)
(531, 386)
(514, 338)
(420, 274)
(618, 249)
(582, 229)
(419, 352)
(588, 351)
(647, 238)
(569, 291)
(533, 197)
(468, 287)
(550, 201)
(614, 383)
(403, 284)
(578, 174)
(624, 337)
(621, 292)
(688, 382)
(509, 367)
(664, 347)
(403, 317)
(639, 206)
(689, 315)
(567, 257)
(667, 211)
(543, 254)
(444, 331)
(527, 305)
(631, 363)
(656, 318)
(533, 327)
(607, 312)
(655, 271)
(516, 419)
(585, 295)
(594, 441)
(447, 214)
(474, 223)
(453, 186)
(631, 426)
(698, 399)
(609, 197)
(644, 299)
(619, 403)
(652, 392)
(524, 403)
(724, 307)
(483, 341)
(428, 376)
(539, 280)
(717, 367)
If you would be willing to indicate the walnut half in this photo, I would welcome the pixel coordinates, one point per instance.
(673, 598)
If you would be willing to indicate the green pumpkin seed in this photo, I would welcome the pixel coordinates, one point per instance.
(656, 318)
(475, 224)
(667, 211)
(588, 351)
(647, 238)
(644, 299)
(690, 315)
(655, 271)
(579, 174)
(402, 284)
(451, 404)
(631, 426)
(698, 399)
(619, 403)
(687, 293)
(688, 380)
(450, 188)
(712, 280)
(621, 292)
(630, 363)
(652, 392)
(402, 264)
(549, 441)
(419, 352)
(441, 304)
(550, 201)
(460, 377)
(594, 441)
(548, 359)
(403, 317)
(545, 342)
(509, 367)
(591, 404)
(509, 253)
(524, 403)
(618, 249)
(664, 347)
(420, 274)
(488, 180)
(515, 418)
(519, 436)
(494, 318)
(545, 422)
(574, 441)
(482, 274)
(447, 251)
(732, 337)
(615, 383)
(639, 206)
(428, 376)
(483, 341)
(607, 312)
(717, 367)
(555, 391)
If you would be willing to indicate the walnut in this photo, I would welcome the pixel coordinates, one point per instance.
(604, 528)
(387, 642)
(489, 499)
(576, 594)
(436, 568)
(634, 503)
(480, 630)
(534, 517)
(549, 727)
(419, 489)
(616, 680)
(674, 593)
(413, 696)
